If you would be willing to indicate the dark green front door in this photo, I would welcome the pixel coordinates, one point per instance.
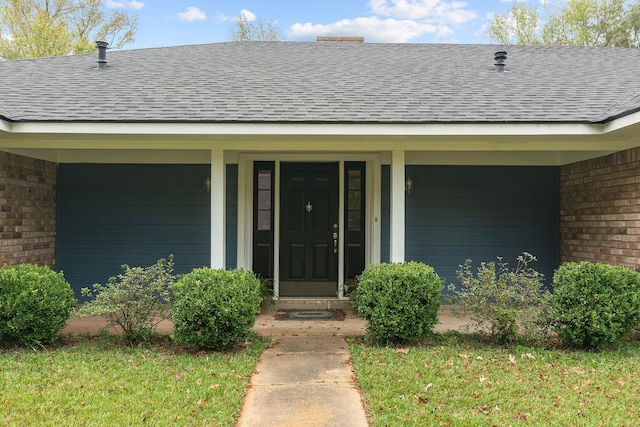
(309, 195)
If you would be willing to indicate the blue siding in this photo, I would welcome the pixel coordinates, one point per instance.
(481, 212)
(231, 238)
(385, 221)
(109, 215)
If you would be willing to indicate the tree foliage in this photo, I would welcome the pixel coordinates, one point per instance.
(40, 28)
(575, 22)
(247, 28)
(518, 26)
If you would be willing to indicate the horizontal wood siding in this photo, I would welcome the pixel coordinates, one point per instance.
(477, 212)
(109, 215)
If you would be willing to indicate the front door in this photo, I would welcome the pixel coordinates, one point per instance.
(309, 196)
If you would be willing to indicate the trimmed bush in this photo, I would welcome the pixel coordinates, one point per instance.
(35, 303)
(214, 308)
(135, 300)
(595, 304)
(399, 300)
(504, 303)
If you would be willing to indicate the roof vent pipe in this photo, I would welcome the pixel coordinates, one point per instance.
(102, 54)
(500, 58)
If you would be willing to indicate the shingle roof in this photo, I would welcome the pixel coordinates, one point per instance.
(326, 82)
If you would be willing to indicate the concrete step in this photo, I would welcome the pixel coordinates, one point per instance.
(311, 304)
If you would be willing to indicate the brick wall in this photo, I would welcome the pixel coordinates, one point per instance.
(600, 210)
(27, 210)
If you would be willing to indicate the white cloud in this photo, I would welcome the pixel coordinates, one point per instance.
(373, 29)
(393, 21)
(221, 17)
(248, 15)
(132, 4)
(446, 12)
(192, 14)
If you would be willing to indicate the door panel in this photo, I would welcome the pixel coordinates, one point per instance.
(296, 261)
(321, 258)
(309, 217)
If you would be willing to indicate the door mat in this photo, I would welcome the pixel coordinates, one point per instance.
(330, 314)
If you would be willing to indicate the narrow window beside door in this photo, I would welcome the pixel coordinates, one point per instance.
(263, 218)
(354, 219)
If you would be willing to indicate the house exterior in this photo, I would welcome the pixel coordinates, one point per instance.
(305, 162)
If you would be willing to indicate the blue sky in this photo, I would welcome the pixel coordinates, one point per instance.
(178, 22)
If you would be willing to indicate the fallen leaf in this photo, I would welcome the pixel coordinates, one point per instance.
(512, 359)
(402, 350)
(421, 399)
(522, 417)
(527, 356)
(464, 356)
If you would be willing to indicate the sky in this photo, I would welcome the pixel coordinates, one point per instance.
(181, 22)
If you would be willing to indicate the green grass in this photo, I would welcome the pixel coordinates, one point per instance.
(96, 383)
(461, 382)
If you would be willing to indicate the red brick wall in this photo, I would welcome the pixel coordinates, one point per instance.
(600, 210)
(27, 210)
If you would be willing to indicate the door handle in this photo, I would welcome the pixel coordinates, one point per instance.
(335, 242)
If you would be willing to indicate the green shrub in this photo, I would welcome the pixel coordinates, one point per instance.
(501, 302)
(135, 300)
(214, 308)
(595, 304)
(400, 301)
(350, 290)
(35, 303)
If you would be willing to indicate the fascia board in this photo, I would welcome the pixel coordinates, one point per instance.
(5, 126)
(622, 122)
(384, 129)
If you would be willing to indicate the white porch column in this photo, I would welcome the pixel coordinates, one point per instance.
(217, 209)
(397, 231)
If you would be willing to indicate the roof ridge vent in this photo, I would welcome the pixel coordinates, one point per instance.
(102, 54)
(500, 57)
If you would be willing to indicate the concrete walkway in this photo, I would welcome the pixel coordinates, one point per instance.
(304, 381)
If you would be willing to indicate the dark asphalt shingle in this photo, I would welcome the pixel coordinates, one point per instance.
(326, 82)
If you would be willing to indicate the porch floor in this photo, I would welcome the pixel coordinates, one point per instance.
(267, 325)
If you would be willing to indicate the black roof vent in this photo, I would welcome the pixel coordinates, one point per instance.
(102, 54)
(500, 57)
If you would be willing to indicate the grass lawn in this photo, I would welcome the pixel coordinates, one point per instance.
(458, 381)
(94, 382)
